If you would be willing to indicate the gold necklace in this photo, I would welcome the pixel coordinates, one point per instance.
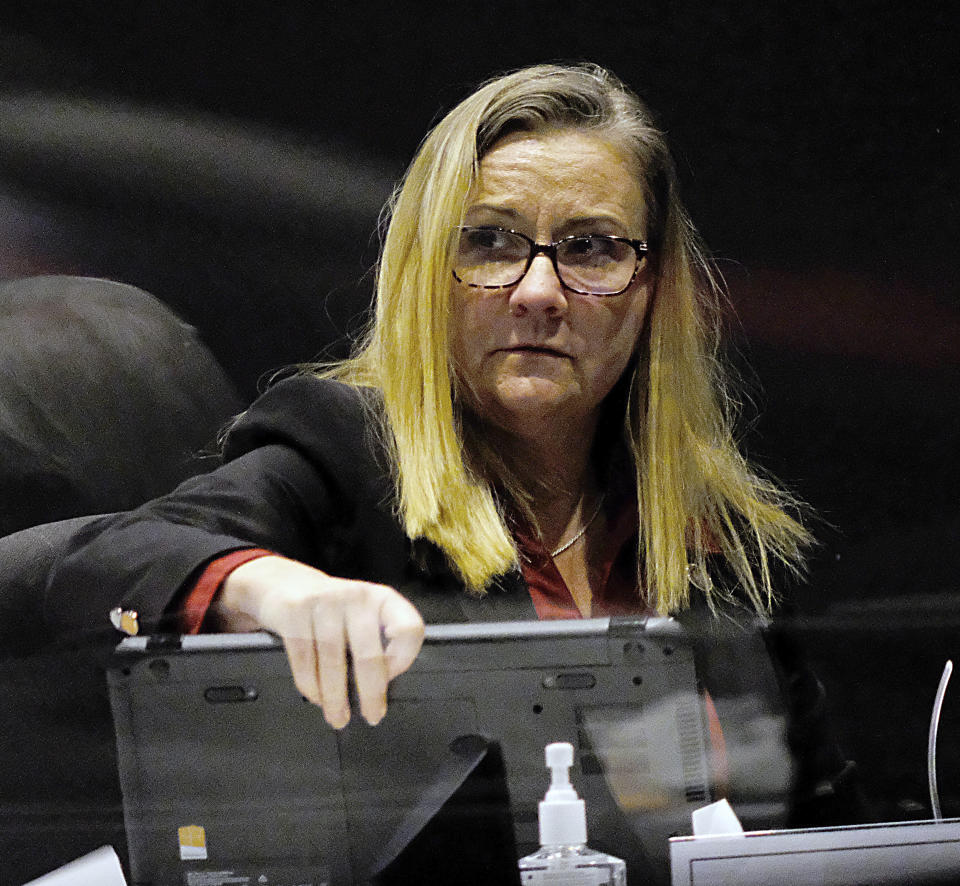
(581, 531)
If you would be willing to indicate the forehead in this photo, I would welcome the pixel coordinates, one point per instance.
(559, 175)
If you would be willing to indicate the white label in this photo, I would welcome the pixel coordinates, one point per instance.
(215, 878)
(570, 877)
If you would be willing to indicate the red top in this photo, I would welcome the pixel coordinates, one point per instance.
(197, 601)
(616, 589)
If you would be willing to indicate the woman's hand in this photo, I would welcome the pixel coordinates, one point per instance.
(321, 620)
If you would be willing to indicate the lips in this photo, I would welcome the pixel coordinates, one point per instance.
(536, 349)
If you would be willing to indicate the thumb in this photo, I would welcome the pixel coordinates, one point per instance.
(403, 630)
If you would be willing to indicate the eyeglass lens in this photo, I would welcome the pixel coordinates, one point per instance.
(494, 258)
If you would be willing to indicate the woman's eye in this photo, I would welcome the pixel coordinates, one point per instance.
(484, 239)
(589, 247)
(488, 239)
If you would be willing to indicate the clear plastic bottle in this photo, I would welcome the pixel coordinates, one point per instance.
(564, 859)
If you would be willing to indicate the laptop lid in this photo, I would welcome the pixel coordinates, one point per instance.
(227, 772)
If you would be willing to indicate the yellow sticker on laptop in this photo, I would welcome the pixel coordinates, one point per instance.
(193, 842)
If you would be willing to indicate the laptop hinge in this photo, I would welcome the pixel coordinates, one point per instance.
(627, 625)
(164, 642)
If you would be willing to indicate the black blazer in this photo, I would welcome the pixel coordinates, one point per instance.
(304, 475)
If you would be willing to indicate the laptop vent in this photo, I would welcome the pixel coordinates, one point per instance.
(692, 756)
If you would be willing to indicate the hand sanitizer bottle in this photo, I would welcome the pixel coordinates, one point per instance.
(563, 858)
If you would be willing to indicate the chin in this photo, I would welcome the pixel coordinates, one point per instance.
(526, 401)
(533, 391)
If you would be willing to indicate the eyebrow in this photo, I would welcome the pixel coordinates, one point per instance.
(489, 207)
(579, 221)
(595, 221)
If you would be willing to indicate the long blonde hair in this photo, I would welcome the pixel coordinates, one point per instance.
(696, 494)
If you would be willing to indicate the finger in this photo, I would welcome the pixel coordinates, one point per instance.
(369, 661)
(403, 629)
(302, 655)
(331, 650)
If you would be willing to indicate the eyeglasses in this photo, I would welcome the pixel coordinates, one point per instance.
(598, 264)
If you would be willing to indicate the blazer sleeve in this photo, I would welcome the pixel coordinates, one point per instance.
(302, 476)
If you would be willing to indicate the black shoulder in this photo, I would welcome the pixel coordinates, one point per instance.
(306, 413)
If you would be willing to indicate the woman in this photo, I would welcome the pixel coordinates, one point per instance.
(535, 424)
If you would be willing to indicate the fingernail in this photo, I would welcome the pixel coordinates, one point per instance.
(376, 716)
(339, 719)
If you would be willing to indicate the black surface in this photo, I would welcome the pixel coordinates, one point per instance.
(819, 140)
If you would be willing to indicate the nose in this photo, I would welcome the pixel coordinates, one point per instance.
(539, 291)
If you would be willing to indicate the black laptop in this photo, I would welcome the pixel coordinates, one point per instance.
(229, 776)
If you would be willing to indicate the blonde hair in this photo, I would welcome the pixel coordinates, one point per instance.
(696, 494)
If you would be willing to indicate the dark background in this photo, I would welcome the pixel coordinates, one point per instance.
(231, 158)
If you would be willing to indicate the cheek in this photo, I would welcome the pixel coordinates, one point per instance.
(467, 332)
(638, 314)
(616, 348)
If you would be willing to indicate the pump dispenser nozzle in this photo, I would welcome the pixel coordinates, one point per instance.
(563, 817)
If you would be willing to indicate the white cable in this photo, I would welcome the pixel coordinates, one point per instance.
(932, 741)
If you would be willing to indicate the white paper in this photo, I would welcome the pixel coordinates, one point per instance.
(715, 820)
(98, 868)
